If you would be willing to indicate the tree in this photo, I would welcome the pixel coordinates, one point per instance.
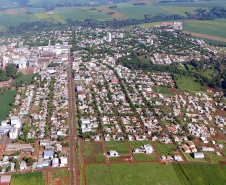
(61, 138)
(11, 70)
(16, 161)
(0, 169)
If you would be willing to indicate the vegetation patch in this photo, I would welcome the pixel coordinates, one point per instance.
(164, 149)
(119, 146)
(188, 83)
(34, 178)
(162, 90)
(93, 152)
(6, 99)
(145, 157)
(24, 79)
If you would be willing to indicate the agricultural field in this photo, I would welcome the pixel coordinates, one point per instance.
(133, 174)
(93, 152)
(180, 10)
(187, 83)
(34, 178)
(213, 28)
(138, 11)
(6, 99)
(197, 174)
(164, 149)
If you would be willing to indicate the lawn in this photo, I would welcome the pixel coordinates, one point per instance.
(162, 90)
(137, 144)
(145, 157)
(164, 149)
(93, 152)
(23, 79)
(214, 28)
(119, 146)
(6, 99)
(197, 174)
(208, 73)
(34, 178)
(223, 151)
(188, 83)
(189, 158)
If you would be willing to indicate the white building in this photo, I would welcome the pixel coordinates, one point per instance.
(15, 121)
(55, 162)
(13, 133)
(113, 153)
(108, 36)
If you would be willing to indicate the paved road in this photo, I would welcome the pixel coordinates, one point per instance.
(74, 164)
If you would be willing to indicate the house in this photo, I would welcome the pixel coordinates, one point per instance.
(148, 149)
(55, 162)
(5, 179)
(23, 165)
(185, 148)
(113, 153)
(48, 154)
(63, 161)
(79, 89)
(198, 155)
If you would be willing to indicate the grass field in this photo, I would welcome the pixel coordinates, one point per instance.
(187, 83)
(162, 90)
(61, 173)
(97, 174)
(214, 158)
(164, 149)
(180, 10)
(198, 174)
(189, 158)
(34, 178)
(137, 12)
(145, 157)
(124, 174)
(137, 144)
(93, 152)
(6, 99)
(213, 28)
(119, 146)
(24, 79)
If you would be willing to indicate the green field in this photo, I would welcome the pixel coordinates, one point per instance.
(214, 158)
(119, 146)
(61, 173)
(137, 12)
(214, 28)
(145, 157)
(164, 149)
(34, 178)
(93, 152)
(137, 144)
(200, 174)
(180, 10)
(6, 99)
(188, 83)
(154, 173)
(189, 158)
(162, 90)
(23, 79)
(124, 174)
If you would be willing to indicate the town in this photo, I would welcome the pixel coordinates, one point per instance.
(123, 113)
